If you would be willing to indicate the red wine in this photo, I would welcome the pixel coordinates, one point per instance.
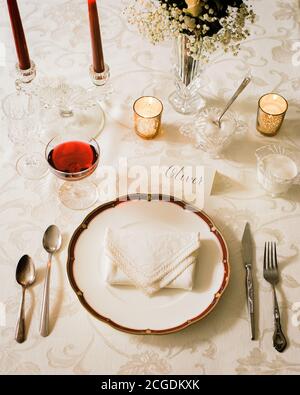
(72, 157)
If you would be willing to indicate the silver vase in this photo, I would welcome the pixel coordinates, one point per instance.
(186, 99)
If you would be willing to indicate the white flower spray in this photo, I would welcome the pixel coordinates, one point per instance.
(209, 24)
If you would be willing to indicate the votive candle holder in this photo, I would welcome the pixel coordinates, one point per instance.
(270, 114)
(147, 116)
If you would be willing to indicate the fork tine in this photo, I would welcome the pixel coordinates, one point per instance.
(272, 255)
(269, 257)
(265, 257)
(275, 256)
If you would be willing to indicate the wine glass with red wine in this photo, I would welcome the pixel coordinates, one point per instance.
(73, 159)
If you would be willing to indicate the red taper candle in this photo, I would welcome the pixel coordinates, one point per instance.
(98, 60)
(19, 36)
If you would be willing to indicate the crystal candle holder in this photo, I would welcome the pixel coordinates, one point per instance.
(72, 106)
(99, 79)
(270, 114)
(25, 76)
(147, 116)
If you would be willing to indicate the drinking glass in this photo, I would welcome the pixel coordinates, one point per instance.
(22, 114)
(73, 158)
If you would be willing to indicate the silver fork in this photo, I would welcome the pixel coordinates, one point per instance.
(271, 275)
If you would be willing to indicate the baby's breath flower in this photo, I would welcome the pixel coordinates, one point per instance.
(207, 26)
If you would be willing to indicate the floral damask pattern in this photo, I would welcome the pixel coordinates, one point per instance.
(258, 363)
(58, 38)
(286, 10)
(145, 363)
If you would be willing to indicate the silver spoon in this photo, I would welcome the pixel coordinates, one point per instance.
(25, 276)
(51, 242)
(239, 90)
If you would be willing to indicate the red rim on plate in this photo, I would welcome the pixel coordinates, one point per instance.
(147, 197)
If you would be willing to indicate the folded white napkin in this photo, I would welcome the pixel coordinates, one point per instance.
(151, 260)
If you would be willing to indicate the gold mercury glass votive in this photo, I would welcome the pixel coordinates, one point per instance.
(147, 116)
(270, 114)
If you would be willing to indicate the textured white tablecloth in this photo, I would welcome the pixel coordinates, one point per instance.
(58, 39)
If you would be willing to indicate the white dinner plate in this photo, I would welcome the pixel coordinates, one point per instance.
(127, 308)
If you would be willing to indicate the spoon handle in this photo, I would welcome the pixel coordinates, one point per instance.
(44, 323)
(20, 328)
(239, 90)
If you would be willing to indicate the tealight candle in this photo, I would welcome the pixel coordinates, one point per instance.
(147, 116)
(271, 112)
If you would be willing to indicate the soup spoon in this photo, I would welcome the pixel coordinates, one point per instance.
(25, 276)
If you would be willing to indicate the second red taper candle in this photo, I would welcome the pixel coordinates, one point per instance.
(98, 59)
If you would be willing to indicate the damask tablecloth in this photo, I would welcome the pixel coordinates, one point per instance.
(58, 38)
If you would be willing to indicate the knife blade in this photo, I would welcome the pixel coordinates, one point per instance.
(247, 252)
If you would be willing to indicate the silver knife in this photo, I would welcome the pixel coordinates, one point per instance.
(247, 259)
